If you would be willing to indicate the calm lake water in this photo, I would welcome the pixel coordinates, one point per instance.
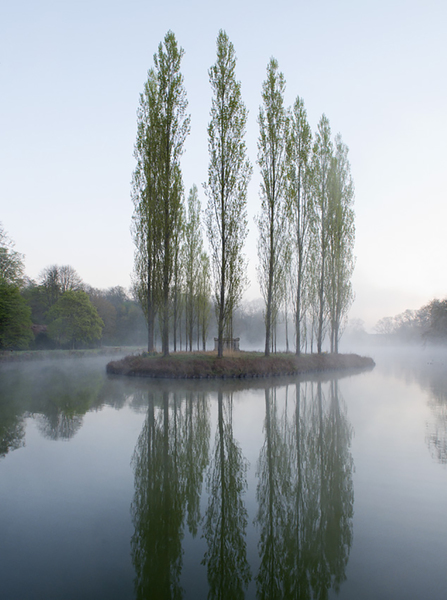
(335, 486)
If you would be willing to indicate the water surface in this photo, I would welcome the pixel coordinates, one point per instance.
(334, 486)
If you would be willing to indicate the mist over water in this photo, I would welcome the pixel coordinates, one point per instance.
(327, 486)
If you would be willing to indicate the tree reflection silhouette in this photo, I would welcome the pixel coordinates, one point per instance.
(436, 433)
(12, 432)
(305, 496)
(60, 404)
(13, 390)
(226, 516)
(169, 461)
(197, 437)
(157, 508)
(272, 494)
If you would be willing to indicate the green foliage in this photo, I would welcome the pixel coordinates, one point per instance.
(192, 250)
(272, 220)
(11, 261)
(157, 187)
(36, 299)
(322, 160)
(107, 313)
(15, 318)
(74, 321)
(341, 237)
(229, 172)
(299, 211)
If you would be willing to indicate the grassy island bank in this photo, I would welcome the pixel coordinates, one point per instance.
(206, 365)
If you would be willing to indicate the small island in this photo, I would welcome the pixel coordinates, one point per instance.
(206, 365)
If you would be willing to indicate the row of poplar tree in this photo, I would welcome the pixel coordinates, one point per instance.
(306, 222)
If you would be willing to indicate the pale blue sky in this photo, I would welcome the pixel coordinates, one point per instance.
(70, 78)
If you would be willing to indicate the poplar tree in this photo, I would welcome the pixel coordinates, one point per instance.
(299, 207)
(12, 268)
(229, 172)
(203, 298)
(178, 275)
(272, 220)
(174, 127)
(146, 230)
(157, 183)
(322, 160)
(341, 238)
(192, 262)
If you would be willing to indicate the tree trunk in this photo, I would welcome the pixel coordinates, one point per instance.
(298, 311)
(268, 315)
(150, 316)
(221, 324)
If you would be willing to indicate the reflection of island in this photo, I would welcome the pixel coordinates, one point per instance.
(226, 516)
(305, 495)
(169, 461)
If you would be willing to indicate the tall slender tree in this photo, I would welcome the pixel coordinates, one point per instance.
(157, 184)
(146, 230)
(229, 172)
(204, 298)
(299, 207)
(11, 262)
(174, 128)
(272, 220)
(178, 274)
(341, 238)
(192, 260)
(322, 159)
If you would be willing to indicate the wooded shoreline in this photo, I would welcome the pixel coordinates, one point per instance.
(241, 365)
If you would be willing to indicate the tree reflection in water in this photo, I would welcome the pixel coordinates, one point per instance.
(197, 436)
(305, 495)
(52, 395)
(13, 389)
(12, 432)
(436, 434)
(59, 407)
(226, 516)
(272, 494)
(169, 461)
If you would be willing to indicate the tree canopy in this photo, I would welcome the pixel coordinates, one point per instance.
(74, 320)
(15, 318)
(11, 262)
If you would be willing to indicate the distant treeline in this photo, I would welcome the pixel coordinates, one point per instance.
(60, 311)
(427, 324)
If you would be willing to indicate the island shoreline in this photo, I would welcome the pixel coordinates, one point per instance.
(241, 365)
